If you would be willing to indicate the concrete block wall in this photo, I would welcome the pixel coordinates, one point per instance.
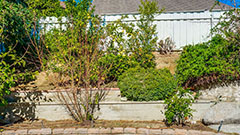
(45, 105)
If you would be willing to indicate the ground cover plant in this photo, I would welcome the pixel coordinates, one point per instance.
(206, 64)
(214, 62)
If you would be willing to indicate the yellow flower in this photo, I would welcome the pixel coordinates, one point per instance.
(89, 17)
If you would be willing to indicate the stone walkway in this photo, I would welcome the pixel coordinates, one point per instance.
(105, 131)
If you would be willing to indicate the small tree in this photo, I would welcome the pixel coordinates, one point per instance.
(137, 39)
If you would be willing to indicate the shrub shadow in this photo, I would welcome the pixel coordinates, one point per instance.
(21, 106)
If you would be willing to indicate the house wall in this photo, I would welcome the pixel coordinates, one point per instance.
(182, 27)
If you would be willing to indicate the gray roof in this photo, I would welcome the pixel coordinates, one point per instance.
(131, 6)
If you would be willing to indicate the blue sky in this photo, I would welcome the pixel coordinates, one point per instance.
(228, 2)
(75, 0)
(231, 2)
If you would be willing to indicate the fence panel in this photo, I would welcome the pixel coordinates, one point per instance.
(182, 27)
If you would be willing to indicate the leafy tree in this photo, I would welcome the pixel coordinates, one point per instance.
(139, 39)
(13, 40)
(12, 24)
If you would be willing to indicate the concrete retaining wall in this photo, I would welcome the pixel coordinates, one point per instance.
(229, 93)
(44, 105)
(139, 111)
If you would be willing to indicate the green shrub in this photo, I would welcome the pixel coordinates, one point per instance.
(178, 107)
(6, 82)
(206, 64)
(118, 65)
(9, 75)
(121, 63)
(139, 84)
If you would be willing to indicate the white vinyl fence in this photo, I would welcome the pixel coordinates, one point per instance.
(182, 27)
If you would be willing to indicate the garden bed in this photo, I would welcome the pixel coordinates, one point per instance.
(102, 124)
(168, 61)
(45, 80)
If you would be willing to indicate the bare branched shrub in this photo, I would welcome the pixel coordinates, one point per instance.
(75, 53)
(80, 61)
(166, 46)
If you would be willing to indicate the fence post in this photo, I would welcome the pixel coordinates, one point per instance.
(211, 23)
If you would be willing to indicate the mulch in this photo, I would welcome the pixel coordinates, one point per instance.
(101, 124)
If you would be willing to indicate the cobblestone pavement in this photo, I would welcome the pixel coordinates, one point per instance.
(106, 131)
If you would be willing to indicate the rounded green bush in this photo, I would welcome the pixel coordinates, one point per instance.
(139, 84)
